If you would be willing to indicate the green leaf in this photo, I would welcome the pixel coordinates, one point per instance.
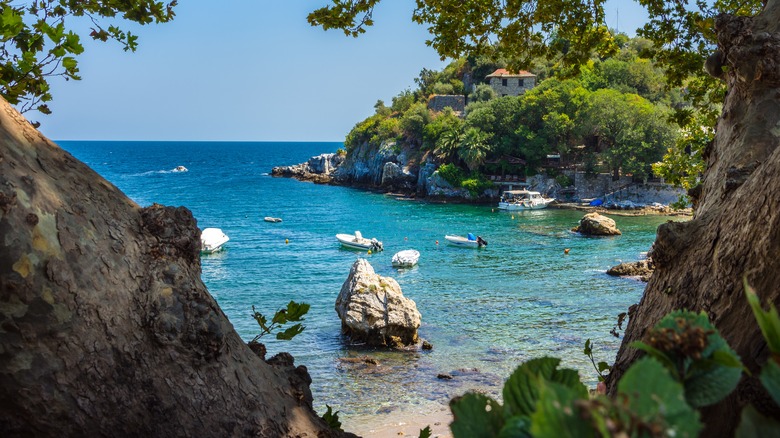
(603, 366)
(588, 350)
(295, 311)
(425, 433)
(770, 378)
(556, 414)
(656, 354)
(656, 398)
(476, 416)
(290, 333)
(516, 427)
(768, 321)
(707, 386)
(332, 418)
(521, 390)
(754, 425)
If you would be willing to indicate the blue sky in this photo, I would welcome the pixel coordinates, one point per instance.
(249, 70)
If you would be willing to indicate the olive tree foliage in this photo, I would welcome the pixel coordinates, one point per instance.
(37, 42)
(517, 30)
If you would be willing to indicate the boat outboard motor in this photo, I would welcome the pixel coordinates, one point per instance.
(481, 241)
(376, 245)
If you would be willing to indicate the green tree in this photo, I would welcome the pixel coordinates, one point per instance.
(483, 93)
(630, 132)
(473, 148)
(414, 120)
(36, 43)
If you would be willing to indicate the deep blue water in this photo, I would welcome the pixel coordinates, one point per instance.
(488, 310)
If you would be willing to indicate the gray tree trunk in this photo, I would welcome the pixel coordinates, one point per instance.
(735, 232)
(106, 328)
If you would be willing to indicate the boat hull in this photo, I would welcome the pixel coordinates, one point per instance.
(349, 241)
(523, 206)
(462, 241)
(212, 240)
(406, 258)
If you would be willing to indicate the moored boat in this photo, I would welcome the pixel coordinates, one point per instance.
(513, 200)
(272, 219)
(470, 241)
(212, 240)
(406, 258)
(357, 241)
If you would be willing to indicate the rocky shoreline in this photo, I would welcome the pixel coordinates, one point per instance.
(386, 170)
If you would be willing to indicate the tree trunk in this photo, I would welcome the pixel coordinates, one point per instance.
(106, 328)
(735, 232)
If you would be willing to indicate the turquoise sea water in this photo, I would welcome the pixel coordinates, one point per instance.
(485, 311)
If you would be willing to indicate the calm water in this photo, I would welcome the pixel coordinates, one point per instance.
(485, 311)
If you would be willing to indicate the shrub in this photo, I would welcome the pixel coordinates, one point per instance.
(564, 181)
(476, 184)
(451, 173)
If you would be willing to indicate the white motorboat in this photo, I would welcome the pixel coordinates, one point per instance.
(406, 258)
(272, 219)
(513, 200)
(180, 169)
(470, 241)
(212, 239)
(357, 241)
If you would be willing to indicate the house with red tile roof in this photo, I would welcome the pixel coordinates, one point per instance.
(511, 84)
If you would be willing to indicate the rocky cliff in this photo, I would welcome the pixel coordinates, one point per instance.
(106, 327)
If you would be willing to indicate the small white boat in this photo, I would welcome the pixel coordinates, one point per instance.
(513, 200)
(476, 242)
(272, 219)
(406, 258)
(212, 239)
(180, 169)
(357, 241)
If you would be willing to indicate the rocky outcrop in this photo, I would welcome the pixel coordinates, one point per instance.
(319, 169)
(374, 311)
(594, 224)
(395, 177)
(107, 328)
(365, 164)
(641, 269)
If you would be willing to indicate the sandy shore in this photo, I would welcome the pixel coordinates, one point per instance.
(407, 424)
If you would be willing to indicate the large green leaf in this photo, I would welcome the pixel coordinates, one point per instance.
(516, 427)
(755, 425)
(521, 390)
(770, 377)
(556, 414)
(656, 398)
(769, 321)
(476, 416)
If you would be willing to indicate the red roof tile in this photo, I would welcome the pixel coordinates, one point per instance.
(503, 73)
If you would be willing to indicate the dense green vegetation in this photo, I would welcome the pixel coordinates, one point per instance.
(616, 114)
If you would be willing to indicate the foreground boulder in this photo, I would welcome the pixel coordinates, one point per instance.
(641, 269)
(107, 328)
(374, 311)
(594, 224)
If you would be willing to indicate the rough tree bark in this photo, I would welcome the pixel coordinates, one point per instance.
(735, 231)
(106, 328)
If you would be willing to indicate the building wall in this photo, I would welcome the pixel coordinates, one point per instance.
(597, 186)
(512, 87)
(440, 101)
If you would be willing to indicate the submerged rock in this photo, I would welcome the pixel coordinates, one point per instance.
(374, 311)
(594, 224)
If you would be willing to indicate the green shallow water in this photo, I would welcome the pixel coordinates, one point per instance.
(485, 311)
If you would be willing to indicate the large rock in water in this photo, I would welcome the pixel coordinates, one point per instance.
(106, 326)
(374, 310)
(594, 224)
(641, 269)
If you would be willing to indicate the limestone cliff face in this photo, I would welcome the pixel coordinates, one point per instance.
(105, 325)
